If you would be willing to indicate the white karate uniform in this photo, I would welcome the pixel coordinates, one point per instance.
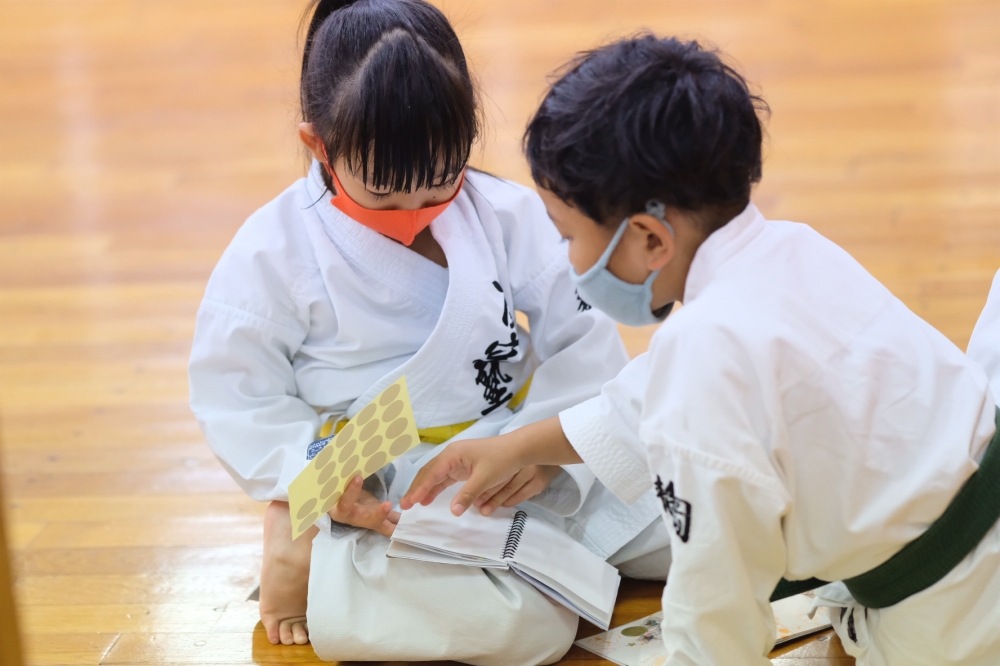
(798, 421)
(984, 346)
(309, 315)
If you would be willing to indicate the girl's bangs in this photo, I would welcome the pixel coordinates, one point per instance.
(407, 120)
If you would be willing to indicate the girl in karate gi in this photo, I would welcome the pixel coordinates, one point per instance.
(392, 258)
(796, 420)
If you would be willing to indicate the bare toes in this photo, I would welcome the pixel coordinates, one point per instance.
(300, 633)
(293, 631)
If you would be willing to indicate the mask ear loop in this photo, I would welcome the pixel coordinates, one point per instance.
(326, 164)
(658, 209)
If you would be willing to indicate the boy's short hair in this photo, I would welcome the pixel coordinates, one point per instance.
(648, 118)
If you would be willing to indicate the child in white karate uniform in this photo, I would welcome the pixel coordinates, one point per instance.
(797, 421)
(392, 258)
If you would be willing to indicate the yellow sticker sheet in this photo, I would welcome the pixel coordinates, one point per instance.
(381, 432)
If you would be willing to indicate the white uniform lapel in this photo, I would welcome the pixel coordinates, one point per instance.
(476, 357)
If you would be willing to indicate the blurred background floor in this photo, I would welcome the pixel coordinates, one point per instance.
(135, 137)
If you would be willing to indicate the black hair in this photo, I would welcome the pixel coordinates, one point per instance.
(647, 118)
(386, 87)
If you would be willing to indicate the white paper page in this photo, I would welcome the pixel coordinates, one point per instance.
(555, 555)
(598, 616)
(472, 533)
(560, 567)
(640, 643)
(637, 643)
(406, 551)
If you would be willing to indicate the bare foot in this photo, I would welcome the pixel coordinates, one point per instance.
(284, 578)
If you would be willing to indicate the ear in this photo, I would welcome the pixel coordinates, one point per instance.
(312, 141)
(660, 244)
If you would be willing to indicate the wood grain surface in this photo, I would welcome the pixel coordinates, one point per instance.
(135, 138)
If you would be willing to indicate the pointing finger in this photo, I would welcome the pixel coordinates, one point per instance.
(436, 472)
(433, 493)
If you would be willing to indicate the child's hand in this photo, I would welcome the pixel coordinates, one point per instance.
(360, 508)
(486, 465)
(524, 485)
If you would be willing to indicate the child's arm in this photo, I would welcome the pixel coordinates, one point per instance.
(256, 314)
(579, 347)
(487, 463)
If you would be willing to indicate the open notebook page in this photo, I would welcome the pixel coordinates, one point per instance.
(540, 553)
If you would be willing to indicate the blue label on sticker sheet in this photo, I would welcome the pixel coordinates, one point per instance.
(317, 446)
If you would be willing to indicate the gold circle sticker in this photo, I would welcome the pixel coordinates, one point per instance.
(401, 445)
(365, 414)
(327, 472)
(369, 430)
(372, 445)
(396, 428)
(334, 498)
(389, 395)
(350, 467)
(392, 411)
(319, 462)
(328, 489)
(306, 508)
(348, 449)
(375, 463)
(307, 523)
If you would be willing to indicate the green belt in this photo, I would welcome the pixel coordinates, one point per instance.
(928, 558)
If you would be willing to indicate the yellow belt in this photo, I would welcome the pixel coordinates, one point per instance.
(437, 434)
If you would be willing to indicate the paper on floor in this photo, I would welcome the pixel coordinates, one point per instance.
(640, 643)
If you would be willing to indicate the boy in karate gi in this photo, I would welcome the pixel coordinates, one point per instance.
(796, 420)
(391, 258)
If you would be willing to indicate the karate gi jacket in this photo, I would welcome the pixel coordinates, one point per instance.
(309, 315)
(796, 420)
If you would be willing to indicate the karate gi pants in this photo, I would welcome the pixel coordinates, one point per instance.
(955, 621)
(366, 606)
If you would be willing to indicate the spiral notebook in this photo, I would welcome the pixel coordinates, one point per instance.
(544, 556)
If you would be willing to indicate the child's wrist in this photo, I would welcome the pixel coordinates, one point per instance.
(521, 449)
(530, 445)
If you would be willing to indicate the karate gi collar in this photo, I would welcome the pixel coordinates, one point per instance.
(384, 260)
(720, 247)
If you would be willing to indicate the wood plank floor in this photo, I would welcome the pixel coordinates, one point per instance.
(135, 137)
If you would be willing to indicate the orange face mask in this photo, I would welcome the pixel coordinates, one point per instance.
(400, 225)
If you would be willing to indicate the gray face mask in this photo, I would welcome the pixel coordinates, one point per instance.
(626, 303)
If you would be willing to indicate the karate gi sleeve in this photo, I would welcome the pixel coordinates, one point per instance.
(706, 424)
(578, 347)
(605, 432)
(728, 556)
(242, 385)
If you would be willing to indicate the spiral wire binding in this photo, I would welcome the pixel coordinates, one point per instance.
(514, 535)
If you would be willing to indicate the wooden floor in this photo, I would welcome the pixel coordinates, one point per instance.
(135, 137)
